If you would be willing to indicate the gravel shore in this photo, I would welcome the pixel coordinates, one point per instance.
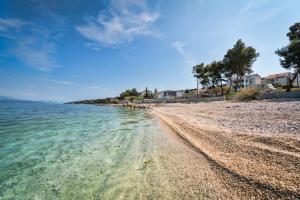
(253, 147)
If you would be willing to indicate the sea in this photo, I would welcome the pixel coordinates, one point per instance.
(66, 151)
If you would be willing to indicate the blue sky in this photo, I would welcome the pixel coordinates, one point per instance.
(64, 50)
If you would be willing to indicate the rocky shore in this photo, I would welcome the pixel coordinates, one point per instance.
(254, 147)
(137, 106)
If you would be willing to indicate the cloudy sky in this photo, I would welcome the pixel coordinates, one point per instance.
(64, 50)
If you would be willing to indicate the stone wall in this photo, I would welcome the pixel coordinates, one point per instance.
(280, 95)
(190, 100)
(274, 95)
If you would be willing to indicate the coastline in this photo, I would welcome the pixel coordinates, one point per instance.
(262, 164)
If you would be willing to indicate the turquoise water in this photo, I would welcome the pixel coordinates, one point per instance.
(56, 151)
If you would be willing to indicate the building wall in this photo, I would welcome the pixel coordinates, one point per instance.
(170, 94)
(160, 95)
(252, 80)
(296, 82)
(278, 79)
(257, 80)
(166, 95)
(283, 81)
(179, 94)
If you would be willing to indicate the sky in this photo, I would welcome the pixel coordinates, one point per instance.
(66, 50)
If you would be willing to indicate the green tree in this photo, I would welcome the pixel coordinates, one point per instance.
(216, 72)
(124, 94)
(134, 92)
(291, 54)
(201, 74)
(238, 61)
(129, 93)
(148, 94)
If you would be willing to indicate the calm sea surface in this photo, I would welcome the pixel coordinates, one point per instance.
(56, 151)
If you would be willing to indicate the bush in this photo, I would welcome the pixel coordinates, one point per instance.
(250, 93)
(114, 101)
(219, 90)
(139, 98)
(213, 91)
(230, 95)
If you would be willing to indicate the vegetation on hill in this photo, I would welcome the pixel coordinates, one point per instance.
(129, 95)
(98, 101)
(134, 94)
(148, 94)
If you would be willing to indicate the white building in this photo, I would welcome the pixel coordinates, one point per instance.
(180, 93)
(252, 80)
(278, 80)
(282, 79)
(170, 94)
(246, 81)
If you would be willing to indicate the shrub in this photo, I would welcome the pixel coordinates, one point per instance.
(219, 90)
(250, 93)
(230, 95)
(139, 98)
(114, 101)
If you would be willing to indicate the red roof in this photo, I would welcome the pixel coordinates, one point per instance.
(280, 75)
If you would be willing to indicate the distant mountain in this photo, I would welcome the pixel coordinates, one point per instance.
(6, 98)
(96, 101)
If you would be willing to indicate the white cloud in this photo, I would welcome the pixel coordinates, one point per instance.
(95, 87)
(122, 22)
(252, 12)
(9, 23)
(180, 48)
(250, 6)
(78, 85)
(32, 44)
(92, 46)
(36, 54)
(63, 82)
(271, 13)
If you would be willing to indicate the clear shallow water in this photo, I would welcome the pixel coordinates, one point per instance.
(51, 151)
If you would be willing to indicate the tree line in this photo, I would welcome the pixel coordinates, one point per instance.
(129, 94)
(238, 61)
(133, 93)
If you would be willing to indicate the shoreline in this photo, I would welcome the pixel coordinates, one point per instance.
(251, 164)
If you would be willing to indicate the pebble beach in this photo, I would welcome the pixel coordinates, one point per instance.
(253, 147)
